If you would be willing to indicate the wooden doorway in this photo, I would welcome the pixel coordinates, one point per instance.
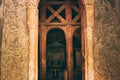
(56, 54)
(87, 22)
(63, 14)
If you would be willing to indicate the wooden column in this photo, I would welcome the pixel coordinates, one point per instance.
(83, 24)
(42, 53)
(69, 56)
(69, 47)
(32, 24)
(42, 44)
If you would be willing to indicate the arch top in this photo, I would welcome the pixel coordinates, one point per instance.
(87, 2)
(57, 28)
(84, 2)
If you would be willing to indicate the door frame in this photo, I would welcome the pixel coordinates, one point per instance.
(87, 12)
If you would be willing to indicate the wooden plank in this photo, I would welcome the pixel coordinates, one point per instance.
(60, 24)
(56, 13)
(58, 10)
(59, 16)
(75, 8)
(68, 13)
(75, 19)
(43, 13)
(57, 3)
(61, 8)
(50, 8)
(61, 19)
(50, 18)
(72, 24)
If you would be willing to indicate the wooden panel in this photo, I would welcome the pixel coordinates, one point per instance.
(55, 15)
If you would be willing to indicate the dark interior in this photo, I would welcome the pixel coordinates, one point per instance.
(56, 54)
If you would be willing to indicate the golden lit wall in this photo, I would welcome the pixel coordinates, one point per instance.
(14, 58)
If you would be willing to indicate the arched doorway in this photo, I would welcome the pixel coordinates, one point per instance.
(53, 19)
(64, 15)
(56, 54)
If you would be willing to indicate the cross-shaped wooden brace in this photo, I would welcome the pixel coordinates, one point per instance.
(55, 14)
(77, 17)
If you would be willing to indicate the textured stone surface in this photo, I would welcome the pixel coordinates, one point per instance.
(107, 40)
(1, 25)
(1, 22)
(32, 24)
(14, 60)
(15, 40)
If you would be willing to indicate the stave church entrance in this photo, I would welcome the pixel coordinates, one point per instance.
(60, 47)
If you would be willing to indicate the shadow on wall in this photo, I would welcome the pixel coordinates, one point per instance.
(0, 33)
(0, 2)
(1, 23)
(112, 2)
(0, 42)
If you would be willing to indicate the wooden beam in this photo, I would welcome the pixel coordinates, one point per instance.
(75, 8)
(42, 13)
(75, 19)
(42, 53)
(68, 13)
(56, 13)
(60, 24)
(57, 3)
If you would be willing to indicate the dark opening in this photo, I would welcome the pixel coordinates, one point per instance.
(56, 54)
(56, 43)
(77, 55)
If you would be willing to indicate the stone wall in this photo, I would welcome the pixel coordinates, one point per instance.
(1, 21)
(14, 59)
(1, 24)
(14, 38)
(107, 40)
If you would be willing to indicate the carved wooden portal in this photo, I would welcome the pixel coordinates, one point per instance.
(63, 15)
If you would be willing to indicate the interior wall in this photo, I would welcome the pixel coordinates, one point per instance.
(107, 40)
(14, 59)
